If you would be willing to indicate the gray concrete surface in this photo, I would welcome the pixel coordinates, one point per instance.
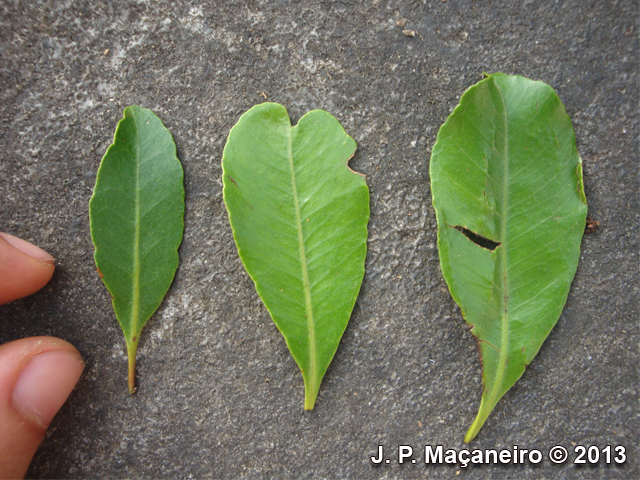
(219, 395)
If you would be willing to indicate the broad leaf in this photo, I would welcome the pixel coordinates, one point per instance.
(299, 217)
(507, 188)
(136, 214)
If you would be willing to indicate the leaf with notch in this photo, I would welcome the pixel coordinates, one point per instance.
(136, 214)
(299, 217)
(506, 180)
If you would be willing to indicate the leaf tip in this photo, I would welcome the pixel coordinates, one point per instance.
(309, 401)
(475, 428)
(310, 393)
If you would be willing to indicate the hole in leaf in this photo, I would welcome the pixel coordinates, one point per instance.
(479, 240)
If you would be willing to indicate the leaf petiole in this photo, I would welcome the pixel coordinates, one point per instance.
(132, 348)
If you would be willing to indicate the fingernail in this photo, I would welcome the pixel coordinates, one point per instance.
(27, 248)
(44, 384)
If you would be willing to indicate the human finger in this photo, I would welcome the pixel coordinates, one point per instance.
(37, 375)
(24, 268)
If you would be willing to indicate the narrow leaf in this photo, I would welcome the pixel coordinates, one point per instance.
(507, 188)
(299, 217)
(136, 214)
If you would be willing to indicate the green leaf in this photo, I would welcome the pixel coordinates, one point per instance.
(136, 214)
(506, 181)
(299, 217)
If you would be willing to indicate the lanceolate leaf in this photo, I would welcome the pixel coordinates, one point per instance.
(136, 216)
(507, 188)
(299, 217)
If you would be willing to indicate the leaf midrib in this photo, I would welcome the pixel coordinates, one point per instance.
(504, 343)
(305, 272)
(135, 309)
(490, 397)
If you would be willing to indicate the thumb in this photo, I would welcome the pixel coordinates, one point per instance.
(24, 268)
(36, 376)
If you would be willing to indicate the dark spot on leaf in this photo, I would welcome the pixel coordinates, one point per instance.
(478, 239)
(134, 339)
(100, 273)
(591, 226)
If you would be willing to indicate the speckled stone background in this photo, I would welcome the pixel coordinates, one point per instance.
(219, 395)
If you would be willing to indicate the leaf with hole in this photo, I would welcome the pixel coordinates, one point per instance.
(507, 189)
(136, 215)
(299, 218)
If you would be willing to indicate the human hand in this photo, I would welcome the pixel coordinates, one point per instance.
(36, 374)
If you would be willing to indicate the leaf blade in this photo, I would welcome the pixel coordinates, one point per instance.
(136, 215)
(505, 167)
(291, 198)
